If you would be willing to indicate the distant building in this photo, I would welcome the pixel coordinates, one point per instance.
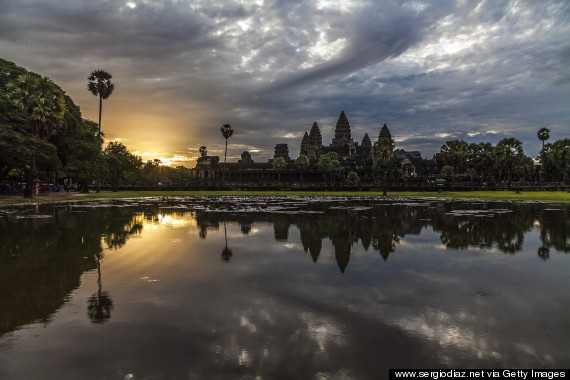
(352, 155)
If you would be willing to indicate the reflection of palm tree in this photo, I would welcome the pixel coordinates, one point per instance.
(544, 253)
(226, 252)
(100, 303)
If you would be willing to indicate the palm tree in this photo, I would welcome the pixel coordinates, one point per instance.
(509, 153)
(543, 135)
(384, 157)
(100, 304)
(226, 252)
(227, 132)
(100, 85)
(454, 153)
(302, 162)
(329, 163)
(279, 164)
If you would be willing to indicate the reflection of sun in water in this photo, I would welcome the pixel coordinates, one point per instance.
(175, 220)
(164, 219)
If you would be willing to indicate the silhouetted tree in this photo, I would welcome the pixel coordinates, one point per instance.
(555, 159)
(329, 164)
(227, 132)
(481, 158)
(279, 164)
(43, 104)
(543, 134)
(100, 304)
(454, 153)
(226, 252)
(100, 85)
(302, 163)
(384, 157)
(119, 160)
(352, 177)
(509, 153)
(203, 151)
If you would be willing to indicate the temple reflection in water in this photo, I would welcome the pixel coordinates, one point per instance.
(52, 258)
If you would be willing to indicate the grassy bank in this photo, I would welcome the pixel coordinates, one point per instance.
(529, 196)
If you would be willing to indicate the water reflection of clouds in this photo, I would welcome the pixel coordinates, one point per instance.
(410, 299)
(276, 309)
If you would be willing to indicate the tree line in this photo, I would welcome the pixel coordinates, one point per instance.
(44, 138)
(458, 161)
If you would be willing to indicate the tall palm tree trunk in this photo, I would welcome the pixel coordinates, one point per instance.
(225, 156)
(100, 110)
(99, 137)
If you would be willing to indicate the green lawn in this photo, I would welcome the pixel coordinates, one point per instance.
(529, 196)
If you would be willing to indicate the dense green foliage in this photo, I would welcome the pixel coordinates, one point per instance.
(384, 157)
(43, 137)
(279, 164)
(329, 164)
(506, 161)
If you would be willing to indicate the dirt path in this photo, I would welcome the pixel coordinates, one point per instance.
(42, 198)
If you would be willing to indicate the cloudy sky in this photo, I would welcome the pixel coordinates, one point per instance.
(433, 71)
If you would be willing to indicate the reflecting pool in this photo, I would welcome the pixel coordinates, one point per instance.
(281, 287)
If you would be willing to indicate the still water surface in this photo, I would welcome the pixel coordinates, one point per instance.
(292, 288)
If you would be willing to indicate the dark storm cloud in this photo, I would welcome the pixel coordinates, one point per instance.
(431, 71)
(375, 33)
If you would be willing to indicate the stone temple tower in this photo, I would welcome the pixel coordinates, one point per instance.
(342, 141)
(315, 138)
(384, 132)
(315, 142)
(342, 131)
(366, 141)
(282, 150)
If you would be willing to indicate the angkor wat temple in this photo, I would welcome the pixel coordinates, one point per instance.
(353, 156)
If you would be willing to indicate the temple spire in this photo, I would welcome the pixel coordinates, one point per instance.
(342, 131)
(315, 138)
(384, 132)
(366, 141)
